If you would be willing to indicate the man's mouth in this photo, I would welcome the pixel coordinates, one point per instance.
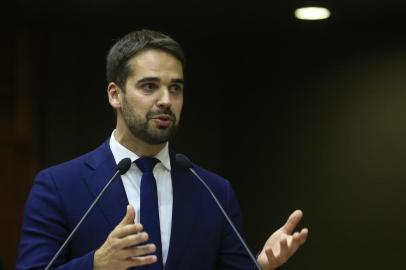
(162, 120)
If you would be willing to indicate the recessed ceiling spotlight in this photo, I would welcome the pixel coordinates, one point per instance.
(312, 13)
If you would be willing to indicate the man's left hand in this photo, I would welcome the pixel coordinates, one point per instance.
(283, 243)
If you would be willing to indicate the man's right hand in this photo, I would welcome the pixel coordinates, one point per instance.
(122, 248)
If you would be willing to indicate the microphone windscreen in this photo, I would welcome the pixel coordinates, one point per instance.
(183, 161)
(124, 165)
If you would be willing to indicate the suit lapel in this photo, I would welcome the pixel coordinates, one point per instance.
(183, 215)
(114, 201)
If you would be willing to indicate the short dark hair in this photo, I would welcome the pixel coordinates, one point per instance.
(117, 68)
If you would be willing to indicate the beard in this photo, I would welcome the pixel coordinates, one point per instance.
(140, 127)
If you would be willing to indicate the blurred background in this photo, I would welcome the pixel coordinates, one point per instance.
(296, 114)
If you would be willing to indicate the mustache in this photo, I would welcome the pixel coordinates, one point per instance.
(165, 111)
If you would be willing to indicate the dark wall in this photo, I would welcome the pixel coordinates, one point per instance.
(297, 115)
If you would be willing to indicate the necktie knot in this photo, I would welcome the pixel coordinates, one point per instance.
(146, 164)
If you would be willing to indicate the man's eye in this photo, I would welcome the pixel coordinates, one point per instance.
(149, 86)
(176, 88)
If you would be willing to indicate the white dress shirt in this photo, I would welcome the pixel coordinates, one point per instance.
(132, 181)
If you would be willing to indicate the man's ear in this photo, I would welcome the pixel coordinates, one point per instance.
(114, 92)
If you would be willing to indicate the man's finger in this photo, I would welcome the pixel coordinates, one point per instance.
(143, 260)
(284, 247)
(140, 250)
(133, 240)
(122, 231)
(298, 239)
(295, 243)
(292, 221)
(303, 235)
(272, 260)
(129, 217)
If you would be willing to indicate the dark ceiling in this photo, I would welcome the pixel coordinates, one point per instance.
(200, 13)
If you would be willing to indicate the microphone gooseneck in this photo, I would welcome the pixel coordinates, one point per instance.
(185, 163)
(122, 167)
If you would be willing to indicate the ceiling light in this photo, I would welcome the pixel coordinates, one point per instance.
(312, 13)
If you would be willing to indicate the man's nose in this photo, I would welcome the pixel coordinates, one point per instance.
(164, 98)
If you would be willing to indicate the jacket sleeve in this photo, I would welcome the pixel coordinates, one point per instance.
(44, 230)
(232, 253)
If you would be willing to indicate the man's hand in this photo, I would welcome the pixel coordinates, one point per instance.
(282, 244)
(122, 248)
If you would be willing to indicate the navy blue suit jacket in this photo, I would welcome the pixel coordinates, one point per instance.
(200, 236)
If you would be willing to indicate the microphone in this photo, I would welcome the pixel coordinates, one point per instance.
(185, 162)
(122, 167)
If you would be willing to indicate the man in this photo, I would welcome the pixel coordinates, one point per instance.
(145, 75)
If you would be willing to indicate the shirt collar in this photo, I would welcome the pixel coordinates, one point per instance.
(119, 152)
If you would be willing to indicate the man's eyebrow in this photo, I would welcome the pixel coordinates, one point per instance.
(179, 81)
(148, 79)
(156, 79)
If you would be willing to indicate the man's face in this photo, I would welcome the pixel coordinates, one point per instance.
(153, 98)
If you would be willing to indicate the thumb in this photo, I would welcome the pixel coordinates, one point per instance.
(129, 216)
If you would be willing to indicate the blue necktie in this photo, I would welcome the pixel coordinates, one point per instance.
(149, 211)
